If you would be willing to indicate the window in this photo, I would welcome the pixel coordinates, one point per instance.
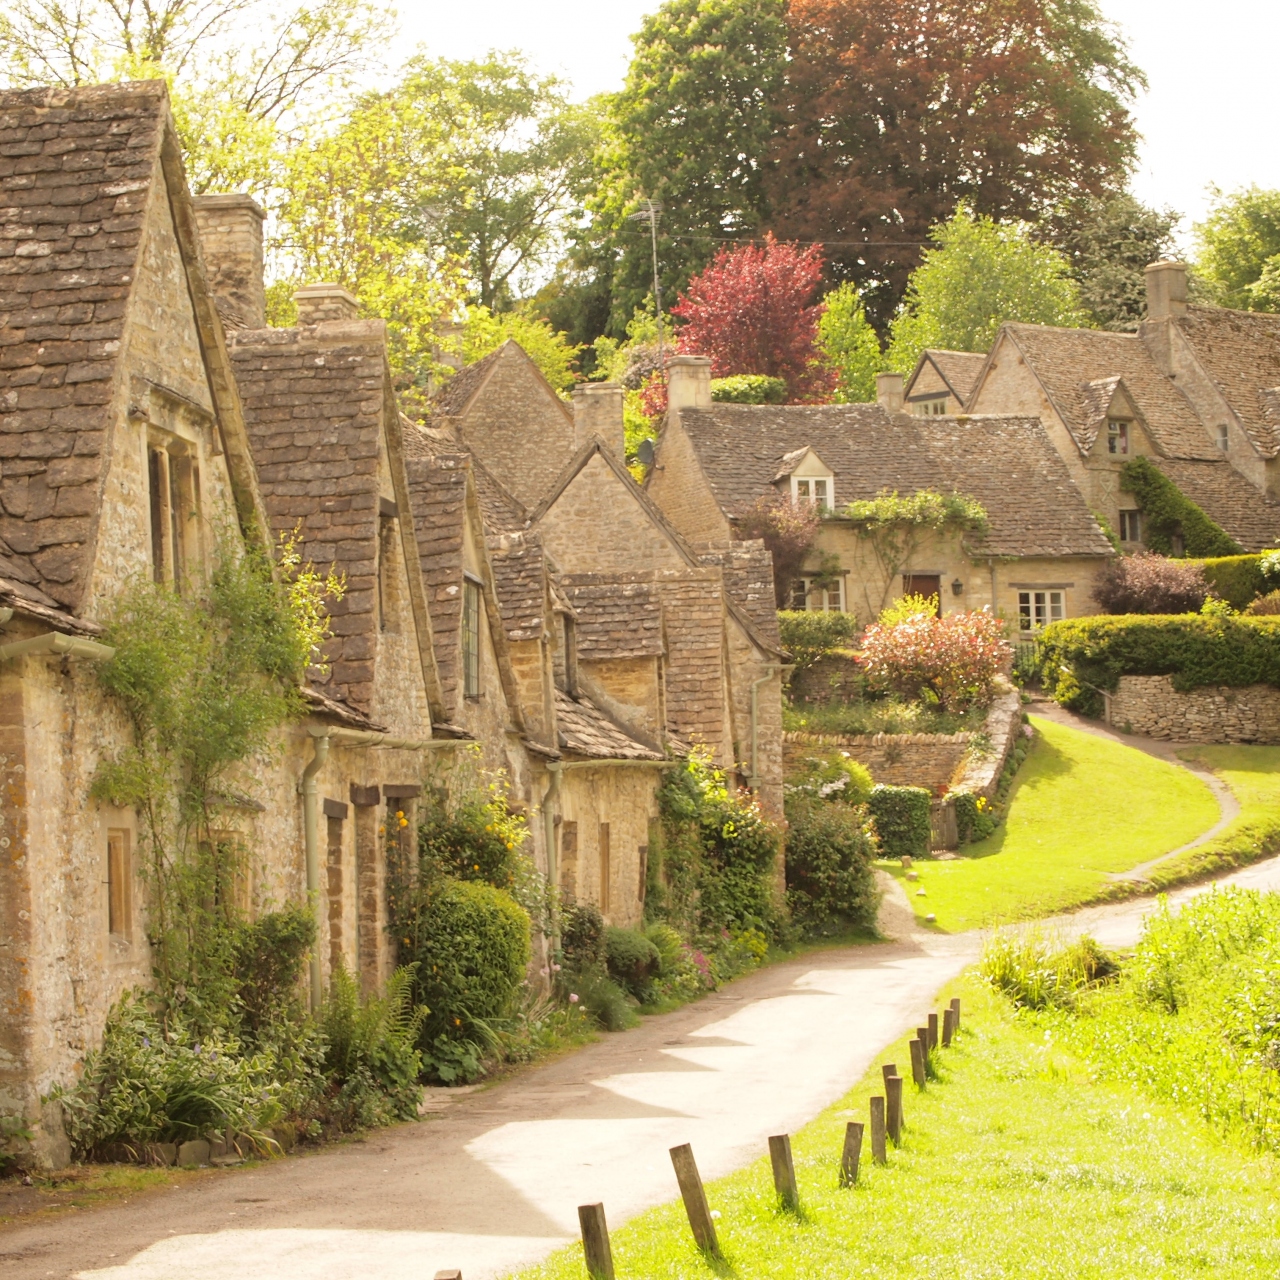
(1117, 436)
(806, 595)
(1224, 438)
(174, 483)
(933, 408)
(818, 491)
(470, 639)
(1036, 609)
(1131, 526)
(120, 882)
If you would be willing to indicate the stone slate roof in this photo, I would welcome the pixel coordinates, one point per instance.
(748, 574)
(1072, 363)
(617, 617)
(313, 403)
(1011, 467)
(1240, 351)
(1226, 497)
(1008, 464)
(76, 167)
(585, 730)
(502, 513)
(456, 394)
(520, 581)
(959, 369)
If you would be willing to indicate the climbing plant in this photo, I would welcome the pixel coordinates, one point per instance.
(895, 526)
(1171, 515)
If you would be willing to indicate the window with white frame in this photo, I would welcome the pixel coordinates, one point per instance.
(1131, 526)
(807, 594)
(1036, 609)
(1117, 436)
(1224, 438)
(818, 491)
(931, 408)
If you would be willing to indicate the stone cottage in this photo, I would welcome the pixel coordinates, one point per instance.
(941, 382)
(1035, 562)
(1195, 390)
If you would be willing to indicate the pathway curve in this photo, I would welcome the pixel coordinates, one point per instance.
(492, 1182)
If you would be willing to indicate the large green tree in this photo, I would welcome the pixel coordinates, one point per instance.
(982, 274)
(850, 345)
(1109, 240)
(1238, 250)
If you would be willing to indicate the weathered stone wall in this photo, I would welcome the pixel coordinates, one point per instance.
(1151, 706)
(930, 760)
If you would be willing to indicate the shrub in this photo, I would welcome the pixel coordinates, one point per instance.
(1267, 606)
(953, 659)
(1237, 579)
(470, 943)
(269, 956)
(1080, 656)
(835, 776)
(683, 973)
(476, 838)
(1150, 584)
(830, 850)
(632, 960)
(371, 1053)
(902, 818)
(1035, 971)
(749, 388)
(1171, 515)
(810, 635)
(975, 817)
(582, 935)
(594, 991)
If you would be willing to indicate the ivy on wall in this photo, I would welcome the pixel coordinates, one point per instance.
(1170, 514)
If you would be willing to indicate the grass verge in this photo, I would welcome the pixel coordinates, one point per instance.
(1013, 1164)
(1081, 807)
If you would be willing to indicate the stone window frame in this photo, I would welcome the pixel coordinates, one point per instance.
(469, 636)
(1119, 439)
(1130, 524)
(1036, 614)
(1224, 437)
(173, 486)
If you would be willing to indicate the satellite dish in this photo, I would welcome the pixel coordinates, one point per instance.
(644, 454)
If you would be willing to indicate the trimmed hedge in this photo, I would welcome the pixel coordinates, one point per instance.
(1081, 656)
(902, 820)
(1239, 580)
(749, 388)
(1170, 513)
(830, 851)
(808, 635)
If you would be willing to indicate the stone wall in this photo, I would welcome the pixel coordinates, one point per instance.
(1151, 706)
(930, 760)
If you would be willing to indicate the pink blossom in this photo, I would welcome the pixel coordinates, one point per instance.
(573, 997)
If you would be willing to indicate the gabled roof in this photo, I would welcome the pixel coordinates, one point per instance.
(748, 574)
(585, 730)
(1227, 498)
(1071, 364)
(458, 392)
(1240, 351)
(520, 580)
(958, 369)
(617, 617)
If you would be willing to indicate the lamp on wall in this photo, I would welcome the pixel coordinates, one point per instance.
(957, 587)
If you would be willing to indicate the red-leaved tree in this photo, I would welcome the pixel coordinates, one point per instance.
(789, 530)
(753, 311)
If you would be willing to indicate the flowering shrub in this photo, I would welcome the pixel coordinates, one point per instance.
(789, 530)
(953, 659)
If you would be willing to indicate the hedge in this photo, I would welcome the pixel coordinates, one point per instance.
(1169, 513)
(808, 635)
(1239, 580)
(1081, 656)
(903, 823)
(749, 388)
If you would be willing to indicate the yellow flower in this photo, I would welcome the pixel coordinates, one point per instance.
(404, 822)
(399, 813)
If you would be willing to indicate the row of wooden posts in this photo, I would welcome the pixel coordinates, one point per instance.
(886, 1126)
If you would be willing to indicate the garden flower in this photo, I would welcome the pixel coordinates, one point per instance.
(573, 997)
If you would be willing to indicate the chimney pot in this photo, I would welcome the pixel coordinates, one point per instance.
(597, 411)
(320, 302)
(1166, 290)
(890, 393)
(688, 383)
(230, 227)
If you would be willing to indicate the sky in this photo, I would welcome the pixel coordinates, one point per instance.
(1208, 118)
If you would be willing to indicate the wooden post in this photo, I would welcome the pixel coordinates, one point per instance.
(595, 1241)
(955, 1004)
(948, 1026)
(452, 1274)
(888, 1070)
(933, 1032)
(851, 1154)
(878, 1151)
(695, 1199)
(893, 1109)
(784, 1171)
(917, 1063)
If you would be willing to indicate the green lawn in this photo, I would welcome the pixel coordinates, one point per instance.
(1013, 1164)
(1081, 807)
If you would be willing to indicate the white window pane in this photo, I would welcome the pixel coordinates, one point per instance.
(802, 488)
(1056, 609)
(820, 491)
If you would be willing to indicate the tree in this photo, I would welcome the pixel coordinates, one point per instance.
(520, 155)
(897, 110)
(690, 127)
(752, 311)
(982, 274)
(1238, 250)
(237, 69)
(484, 331)
(1108, 241)
(789, 530)
(850, 346)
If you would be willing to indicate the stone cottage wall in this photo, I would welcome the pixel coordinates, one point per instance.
(1151, 706)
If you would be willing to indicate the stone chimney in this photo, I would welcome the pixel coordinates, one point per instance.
(320, 302)
(1166, 290)
(890, 391)
(231, 244)
(688, 383)
(597, 411)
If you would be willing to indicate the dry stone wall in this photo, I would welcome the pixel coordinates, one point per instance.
(1151, 706)
(929, 760)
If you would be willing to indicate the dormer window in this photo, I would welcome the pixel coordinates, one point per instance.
(933, 407)
(1117, 436)
(817, 491)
